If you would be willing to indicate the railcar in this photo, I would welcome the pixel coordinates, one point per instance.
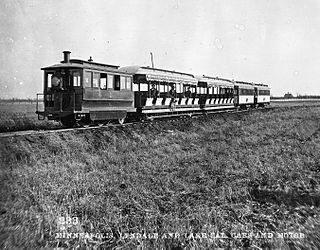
(219, 93)
(152, 91)
(83, 91)
(261, 95)
(244, 94)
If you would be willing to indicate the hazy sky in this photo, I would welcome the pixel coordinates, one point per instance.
(276, 42)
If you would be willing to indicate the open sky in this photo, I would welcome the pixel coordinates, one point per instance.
(276, 42)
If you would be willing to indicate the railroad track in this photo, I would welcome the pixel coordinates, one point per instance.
(195, 116)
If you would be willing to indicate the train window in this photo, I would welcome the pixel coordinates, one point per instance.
(178, 88)
(264, 92)
(216, 90)
(103, 81)
(122, 82)
(162, 89)
(76, 78)
(210, 90)
(246, 91)
(135, 87)
(110, 81)
(49, 77)
(166, 88)
(128, 83)
(95, 80)
(143, 87)
(116, 82)
(87, 79)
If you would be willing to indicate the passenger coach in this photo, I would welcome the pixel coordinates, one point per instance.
(250, 95)
(161, 92)
(218, 93)
(177, 93)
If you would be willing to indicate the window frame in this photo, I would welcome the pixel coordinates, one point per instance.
(79, 77)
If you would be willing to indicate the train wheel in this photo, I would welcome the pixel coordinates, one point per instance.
(121, 120)
(68, 121)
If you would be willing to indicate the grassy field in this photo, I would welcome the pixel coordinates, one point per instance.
(21, 116)
(236, 181)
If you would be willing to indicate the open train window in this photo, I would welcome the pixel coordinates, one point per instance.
(164, 88)
(143, 87)
(135, 87)
(178, 88)
(193, 89)
(203, 90)
(116, 82)
(222, 91)
(216, 90)
(103, 81)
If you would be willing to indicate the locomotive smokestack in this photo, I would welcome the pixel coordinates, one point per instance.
(66, 56)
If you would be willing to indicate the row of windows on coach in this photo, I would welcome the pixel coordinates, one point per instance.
(243, 91)
(106, 81)
(155, 89)
(173, 90)
(263, 92)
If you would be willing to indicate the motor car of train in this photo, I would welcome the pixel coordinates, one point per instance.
(78, 90)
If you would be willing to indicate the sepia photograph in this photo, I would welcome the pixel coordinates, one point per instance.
(173, 124)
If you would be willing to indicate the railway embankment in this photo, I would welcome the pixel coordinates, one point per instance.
(236, 180)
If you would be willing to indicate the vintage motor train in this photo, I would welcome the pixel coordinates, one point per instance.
(84, 92)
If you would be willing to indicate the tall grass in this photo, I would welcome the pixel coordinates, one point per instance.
(17, 116)
(222, 175)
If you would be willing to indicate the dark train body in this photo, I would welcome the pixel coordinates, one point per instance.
(85, 91)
